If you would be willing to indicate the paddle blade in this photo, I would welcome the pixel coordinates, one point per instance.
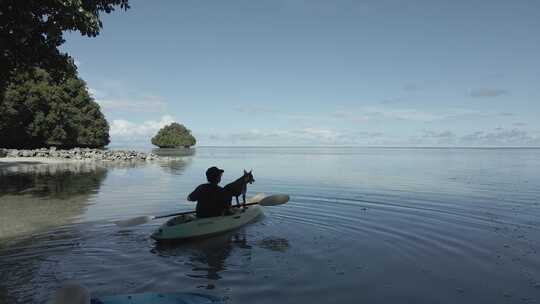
(273, 200)
(134, 221)
(256, 198)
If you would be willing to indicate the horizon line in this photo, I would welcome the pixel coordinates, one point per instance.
(352, 146)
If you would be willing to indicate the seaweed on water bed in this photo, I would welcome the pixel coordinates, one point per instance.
(274, 244)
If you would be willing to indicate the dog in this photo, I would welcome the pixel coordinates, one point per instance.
(239, 186)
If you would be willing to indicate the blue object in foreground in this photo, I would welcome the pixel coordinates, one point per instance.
(157, 298)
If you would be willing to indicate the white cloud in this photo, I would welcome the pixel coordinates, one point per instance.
(116, 97)
(501, 137)
(150, 104)
(372, 113)
(96, 94)
(375, 113)
(256, 109)
(443, 138)
(351, 116)
(294, 137)
(274, 137)
(317, 132)
(345, 137)
(126, 132)
(406, 114)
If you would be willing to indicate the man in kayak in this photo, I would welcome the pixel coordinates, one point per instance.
(211, 199)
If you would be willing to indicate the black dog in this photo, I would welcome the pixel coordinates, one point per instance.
(239, 186)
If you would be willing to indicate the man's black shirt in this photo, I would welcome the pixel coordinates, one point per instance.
(211, 199)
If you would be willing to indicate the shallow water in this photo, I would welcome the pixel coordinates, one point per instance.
(370, 225)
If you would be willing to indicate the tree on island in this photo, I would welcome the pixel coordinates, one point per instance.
(173, 136)
(42, 100)
(38, 112)
(31, 31)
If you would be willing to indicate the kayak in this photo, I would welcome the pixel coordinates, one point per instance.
(188, 226)
(72, 293)
(157, 298)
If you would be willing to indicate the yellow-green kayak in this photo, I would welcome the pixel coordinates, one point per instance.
(188, 226)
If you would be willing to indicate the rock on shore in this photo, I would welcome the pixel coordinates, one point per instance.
(81, 154)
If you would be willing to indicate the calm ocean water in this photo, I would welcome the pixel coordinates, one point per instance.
(364, 225)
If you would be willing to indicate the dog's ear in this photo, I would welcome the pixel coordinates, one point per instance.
(245, 172)
(250, 171)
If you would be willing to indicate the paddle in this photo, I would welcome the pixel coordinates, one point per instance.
(258, 199)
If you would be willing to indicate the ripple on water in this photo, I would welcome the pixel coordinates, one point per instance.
(428, 235)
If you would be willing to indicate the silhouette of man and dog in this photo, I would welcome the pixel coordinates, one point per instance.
(213, 200)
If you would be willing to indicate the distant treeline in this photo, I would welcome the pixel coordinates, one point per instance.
(38, 111)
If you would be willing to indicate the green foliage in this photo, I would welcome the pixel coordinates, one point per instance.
(38, 112)
(32, 30)
(173, 136)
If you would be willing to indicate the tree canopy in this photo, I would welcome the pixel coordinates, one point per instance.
(39, 112)
(173, 136)
(32, 30)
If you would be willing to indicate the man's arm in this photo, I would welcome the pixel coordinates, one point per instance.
(194, 196)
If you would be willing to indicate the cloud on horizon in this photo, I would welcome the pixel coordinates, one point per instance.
(150, 104)
(500, 137)
(294, 137)
(127, 133)
(373, 113)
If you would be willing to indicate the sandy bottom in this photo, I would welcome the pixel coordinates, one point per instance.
(24, 215)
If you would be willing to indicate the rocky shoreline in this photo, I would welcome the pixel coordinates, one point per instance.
(80, 154)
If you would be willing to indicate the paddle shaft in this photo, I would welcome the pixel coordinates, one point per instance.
(191, 212)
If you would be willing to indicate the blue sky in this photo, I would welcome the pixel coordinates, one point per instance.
(295, 72)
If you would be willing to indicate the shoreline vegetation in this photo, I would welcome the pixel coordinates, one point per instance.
(76, 154)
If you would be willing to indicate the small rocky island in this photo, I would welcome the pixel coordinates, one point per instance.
(79, 154)
(174, 135)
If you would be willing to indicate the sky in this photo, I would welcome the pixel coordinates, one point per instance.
(298, 72)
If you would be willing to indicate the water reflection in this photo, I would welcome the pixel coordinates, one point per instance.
(175, 166)
(34, 258)
(174, 152)
(60, 180)
(274, 244)
(208, 257)
(36, 197)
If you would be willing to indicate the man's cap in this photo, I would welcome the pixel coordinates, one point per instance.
(213, 172)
